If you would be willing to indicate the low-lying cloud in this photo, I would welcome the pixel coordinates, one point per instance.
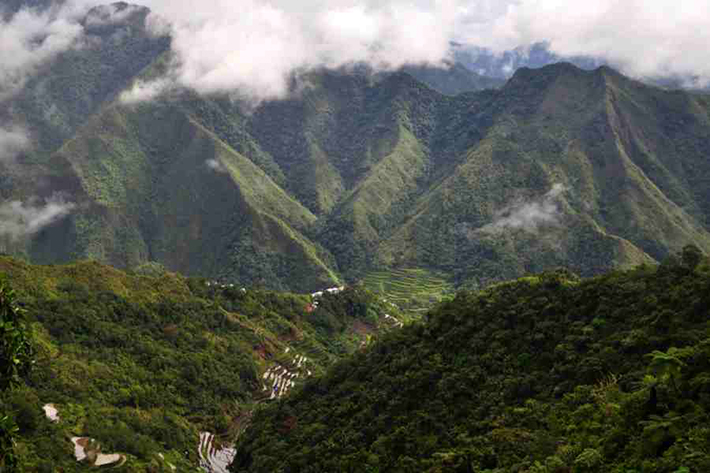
(256, 47)
(29, 39)
(12, 141)
(529, 216)
(216, 166)
(660, 38)
(21, 219)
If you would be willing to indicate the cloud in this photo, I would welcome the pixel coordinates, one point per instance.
(529, 216)
(12, 141)
(660, 38)
(142, 91)
(216, 166)
(30, 38)
(18, 219)
(257, 49)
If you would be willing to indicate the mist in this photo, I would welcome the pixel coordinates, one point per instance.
(22, 219)
(530, 216)
(12, 141)
(31, 38)
(255, 50)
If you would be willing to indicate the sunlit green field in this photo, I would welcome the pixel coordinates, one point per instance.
(412, 289)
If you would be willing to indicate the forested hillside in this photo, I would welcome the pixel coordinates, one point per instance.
(549, 373)
(354, 172)
(143, 362)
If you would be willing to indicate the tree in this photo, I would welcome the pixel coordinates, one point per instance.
(691, 256)
(667, 366)
(15, 362)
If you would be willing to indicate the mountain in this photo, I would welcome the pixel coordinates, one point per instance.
(504, 65)
(143, 362)
(354, 174)
(548, 373)
(453, 79)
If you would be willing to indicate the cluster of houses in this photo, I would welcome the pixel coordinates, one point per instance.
(332, 290)
(86, 449)
(223, 285)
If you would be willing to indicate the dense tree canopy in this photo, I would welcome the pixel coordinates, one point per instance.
(544, 374)
(15, 362)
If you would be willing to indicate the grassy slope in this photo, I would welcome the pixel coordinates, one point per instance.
(142, 363)
(543, 374)
(415, 289)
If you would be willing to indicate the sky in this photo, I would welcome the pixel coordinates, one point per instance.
(253, 47)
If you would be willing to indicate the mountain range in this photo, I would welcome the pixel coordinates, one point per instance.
(355, 172)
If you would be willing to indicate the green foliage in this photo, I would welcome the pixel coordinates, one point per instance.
(142, 363)
(15, 347)
(16, 358)
(545, 374)
(413, 289)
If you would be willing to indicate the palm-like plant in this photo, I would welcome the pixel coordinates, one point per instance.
(667, 366)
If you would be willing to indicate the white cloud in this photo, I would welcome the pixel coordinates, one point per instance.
(254, 47)
(643, 38)
(216, 166)
(29, 39)
(529, 216)
(12, 141)
(20, 219)
(142, 91)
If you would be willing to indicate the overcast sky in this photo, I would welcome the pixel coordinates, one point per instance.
(253, 46)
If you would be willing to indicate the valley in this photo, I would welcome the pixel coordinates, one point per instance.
(261, 239)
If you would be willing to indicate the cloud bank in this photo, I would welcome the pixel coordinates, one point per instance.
(21, 219)
(254, 47)
(529, 216)
(659, 38)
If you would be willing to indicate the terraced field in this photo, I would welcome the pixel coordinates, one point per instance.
(410, 289)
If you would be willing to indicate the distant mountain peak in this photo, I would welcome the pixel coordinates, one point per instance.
(104, 19)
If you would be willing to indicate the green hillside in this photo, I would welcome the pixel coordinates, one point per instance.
(548, 373)
(144, 361)
(408, 288)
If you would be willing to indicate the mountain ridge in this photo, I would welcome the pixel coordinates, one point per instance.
(361, 172)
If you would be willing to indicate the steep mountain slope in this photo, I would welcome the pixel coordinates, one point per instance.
(355, 172)
(545, 374)
(143, 362)
(583, 131)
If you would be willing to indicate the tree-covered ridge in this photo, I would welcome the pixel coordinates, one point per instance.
(549, 373)
(143, 361)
